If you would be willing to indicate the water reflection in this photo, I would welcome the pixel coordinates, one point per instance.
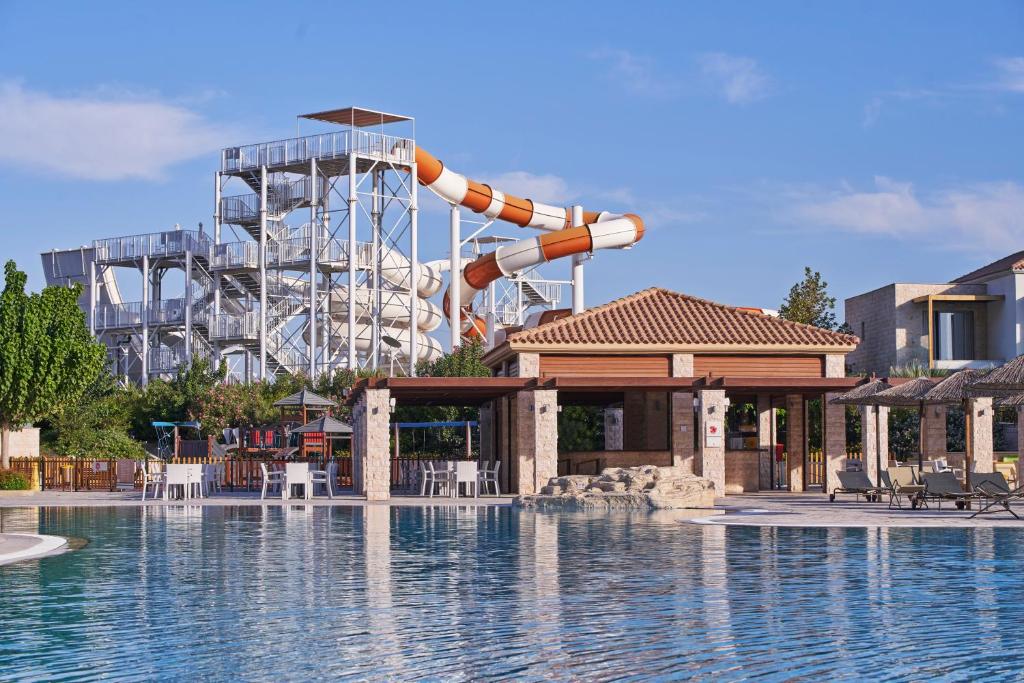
(456, 593)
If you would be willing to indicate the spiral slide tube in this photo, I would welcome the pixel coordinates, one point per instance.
(601, 230)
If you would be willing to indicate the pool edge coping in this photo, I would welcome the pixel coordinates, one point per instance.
(47, 545)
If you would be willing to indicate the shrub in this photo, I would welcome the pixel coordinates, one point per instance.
(13, 481)
(98, 443)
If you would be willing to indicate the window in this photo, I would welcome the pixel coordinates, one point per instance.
(862, 337)
(954, 335)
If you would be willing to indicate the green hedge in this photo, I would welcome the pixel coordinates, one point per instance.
(13, 481)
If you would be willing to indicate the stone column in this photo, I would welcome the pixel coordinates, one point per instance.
(765, 429)
(536, 439)
(682, 431)
(710, 462)
(795, 441)
(835, 441)
(979, 434)
(486, 432)
(869, 442)
(528, 365)
(370, 444)
(613, 429)
(935, 431)
(682, 365)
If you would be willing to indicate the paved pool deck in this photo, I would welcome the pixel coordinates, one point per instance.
(815, 510)
(751, 509)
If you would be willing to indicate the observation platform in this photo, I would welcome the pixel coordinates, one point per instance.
(163, 313)
(331, 150)
(169, 244)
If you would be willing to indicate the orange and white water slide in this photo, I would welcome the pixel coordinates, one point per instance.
(600, 230)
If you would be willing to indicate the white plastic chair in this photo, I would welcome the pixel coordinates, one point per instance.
(489, 477)
(152, 478)
(211, 478)
(270, 479)
(325, 477)
(443, 479)
(467, 472)
(297, 474)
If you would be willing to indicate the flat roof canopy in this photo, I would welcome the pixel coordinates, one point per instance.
(957, 297)
(465, 391)
(356, 117)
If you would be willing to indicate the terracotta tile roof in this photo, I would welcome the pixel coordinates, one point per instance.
(658, 316)
(1011, 262)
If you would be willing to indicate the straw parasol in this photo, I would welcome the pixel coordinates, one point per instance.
(956, 390)
(908, 395)
(861, 395)
(1006, 379)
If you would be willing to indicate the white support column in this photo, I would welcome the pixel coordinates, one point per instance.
(414, 273)
(577, 267)
(314, 250)
(353, 209)
(263, 272)
(92, 296)
(213, 270)
(455, 290)
(492, 316)
(188, 307)
(375, 300)
(145, 320)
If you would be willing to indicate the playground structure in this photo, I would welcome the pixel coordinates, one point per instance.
(314, 261)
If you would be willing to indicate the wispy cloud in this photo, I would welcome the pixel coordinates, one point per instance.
(1007, 76)
(636, 74)
(976, 216)
(1010, 76)
(547, 188)
(102, 136)
(739, 79)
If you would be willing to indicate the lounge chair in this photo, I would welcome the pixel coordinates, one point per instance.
(992, 488)
(940, 486)
(905, 488)
(858, 484)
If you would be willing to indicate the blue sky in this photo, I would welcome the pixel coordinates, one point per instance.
(874, 141)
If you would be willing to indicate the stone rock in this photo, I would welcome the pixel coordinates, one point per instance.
(625, 488)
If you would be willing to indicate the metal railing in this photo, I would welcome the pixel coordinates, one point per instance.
(235, 326)
(155, 245)
(321, 146)
(228, 255)
(281, 199)
(169, 358)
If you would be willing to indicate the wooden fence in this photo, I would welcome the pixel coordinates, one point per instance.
(240, 473)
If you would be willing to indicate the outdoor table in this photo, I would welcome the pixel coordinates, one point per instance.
(175, 473)
(297, 473)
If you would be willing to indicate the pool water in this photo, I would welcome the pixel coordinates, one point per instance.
(449, 593)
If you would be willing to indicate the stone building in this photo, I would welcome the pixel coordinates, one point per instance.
(973, 321)
(679, 380)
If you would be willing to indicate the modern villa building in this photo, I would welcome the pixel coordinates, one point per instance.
(973, 321)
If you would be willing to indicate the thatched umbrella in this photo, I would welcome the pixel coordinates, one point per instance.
(909, 395)
(1006, 379)
(861, 395)
(956, 390)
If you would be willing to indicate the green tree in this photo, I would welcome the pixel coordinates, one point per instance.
(47, 356)
(808, 302)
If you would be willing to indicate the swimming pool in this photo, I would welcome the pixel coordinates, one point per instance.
(453, 593)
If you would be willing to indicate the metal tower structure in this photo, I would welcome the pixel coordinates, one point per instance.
(313, 264)
(342, 288)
